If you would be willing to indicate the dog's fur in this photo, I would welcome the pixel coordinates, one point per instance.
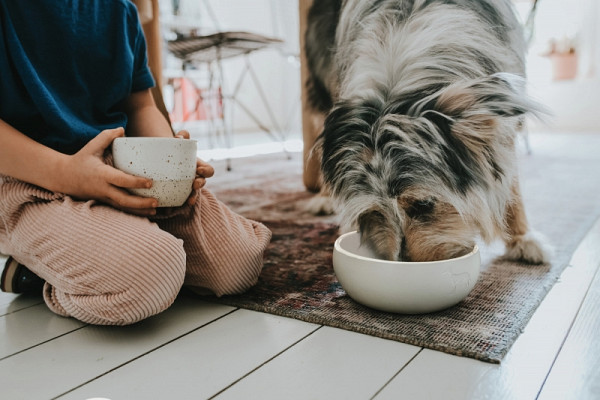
(423, 101)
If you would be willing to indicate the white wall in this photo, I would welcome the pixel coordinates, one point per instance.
(574, 104)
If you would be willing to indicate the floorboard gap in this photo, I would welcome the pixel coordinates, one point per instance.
(41, 343)
(143, 354)
(567, 334)
(263, 364)
(397, 373)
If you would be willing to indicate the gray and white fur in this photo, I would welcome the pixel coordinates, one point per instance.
(423, 100)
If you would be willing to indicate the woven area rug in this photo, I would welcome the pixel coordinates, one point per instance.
(561, 188)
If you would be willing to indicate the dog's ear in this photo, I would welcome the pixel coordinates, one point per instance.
(501, 94)
(474, 108)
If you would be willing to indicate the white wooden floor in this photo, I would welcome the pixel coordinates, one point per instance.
(199, 350)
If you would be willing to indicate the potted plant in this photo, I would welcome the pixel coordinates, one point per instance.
(563, 55)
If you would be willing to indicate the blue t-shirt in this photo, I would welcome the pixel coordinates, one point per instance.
(67, 65)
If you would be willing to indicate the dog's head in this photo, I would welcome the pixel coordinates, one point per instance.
(421, 178)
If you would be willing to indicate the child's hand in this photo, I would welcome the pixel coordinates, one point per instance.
(88, 177)
(203, 171)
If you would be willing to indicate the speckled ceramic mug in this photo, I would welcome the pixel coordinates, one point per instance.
(169, 162)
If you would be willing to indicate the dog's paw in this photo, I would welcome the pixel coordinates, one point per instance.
(531, 248)
(320, 205)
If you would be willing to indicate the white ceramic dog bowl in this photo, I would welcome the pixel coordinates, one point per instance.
(169, 162)
(402, 287)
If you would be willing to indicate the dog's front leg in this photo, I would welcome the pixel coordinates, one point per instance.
(322, 203)
(312, 126)
(312, 120)
(521, 242)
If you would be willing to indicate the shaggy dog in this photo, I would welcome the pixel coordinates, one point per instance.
(423, 100)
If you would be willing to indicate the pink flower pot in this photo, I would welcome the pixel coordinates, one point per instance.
(564, 66)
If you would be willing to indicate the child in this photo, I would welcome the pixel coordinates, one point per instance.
(73, 77)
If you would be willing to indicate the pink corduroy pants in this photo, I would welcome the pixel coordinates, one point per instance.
(103, 266)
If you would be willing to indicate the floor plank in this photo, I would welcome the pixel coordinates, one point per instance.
(330, 364)
(523, 371)
(202, 363)
(30, 327)
(576, 372)
(70, 360)
(11, 302)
